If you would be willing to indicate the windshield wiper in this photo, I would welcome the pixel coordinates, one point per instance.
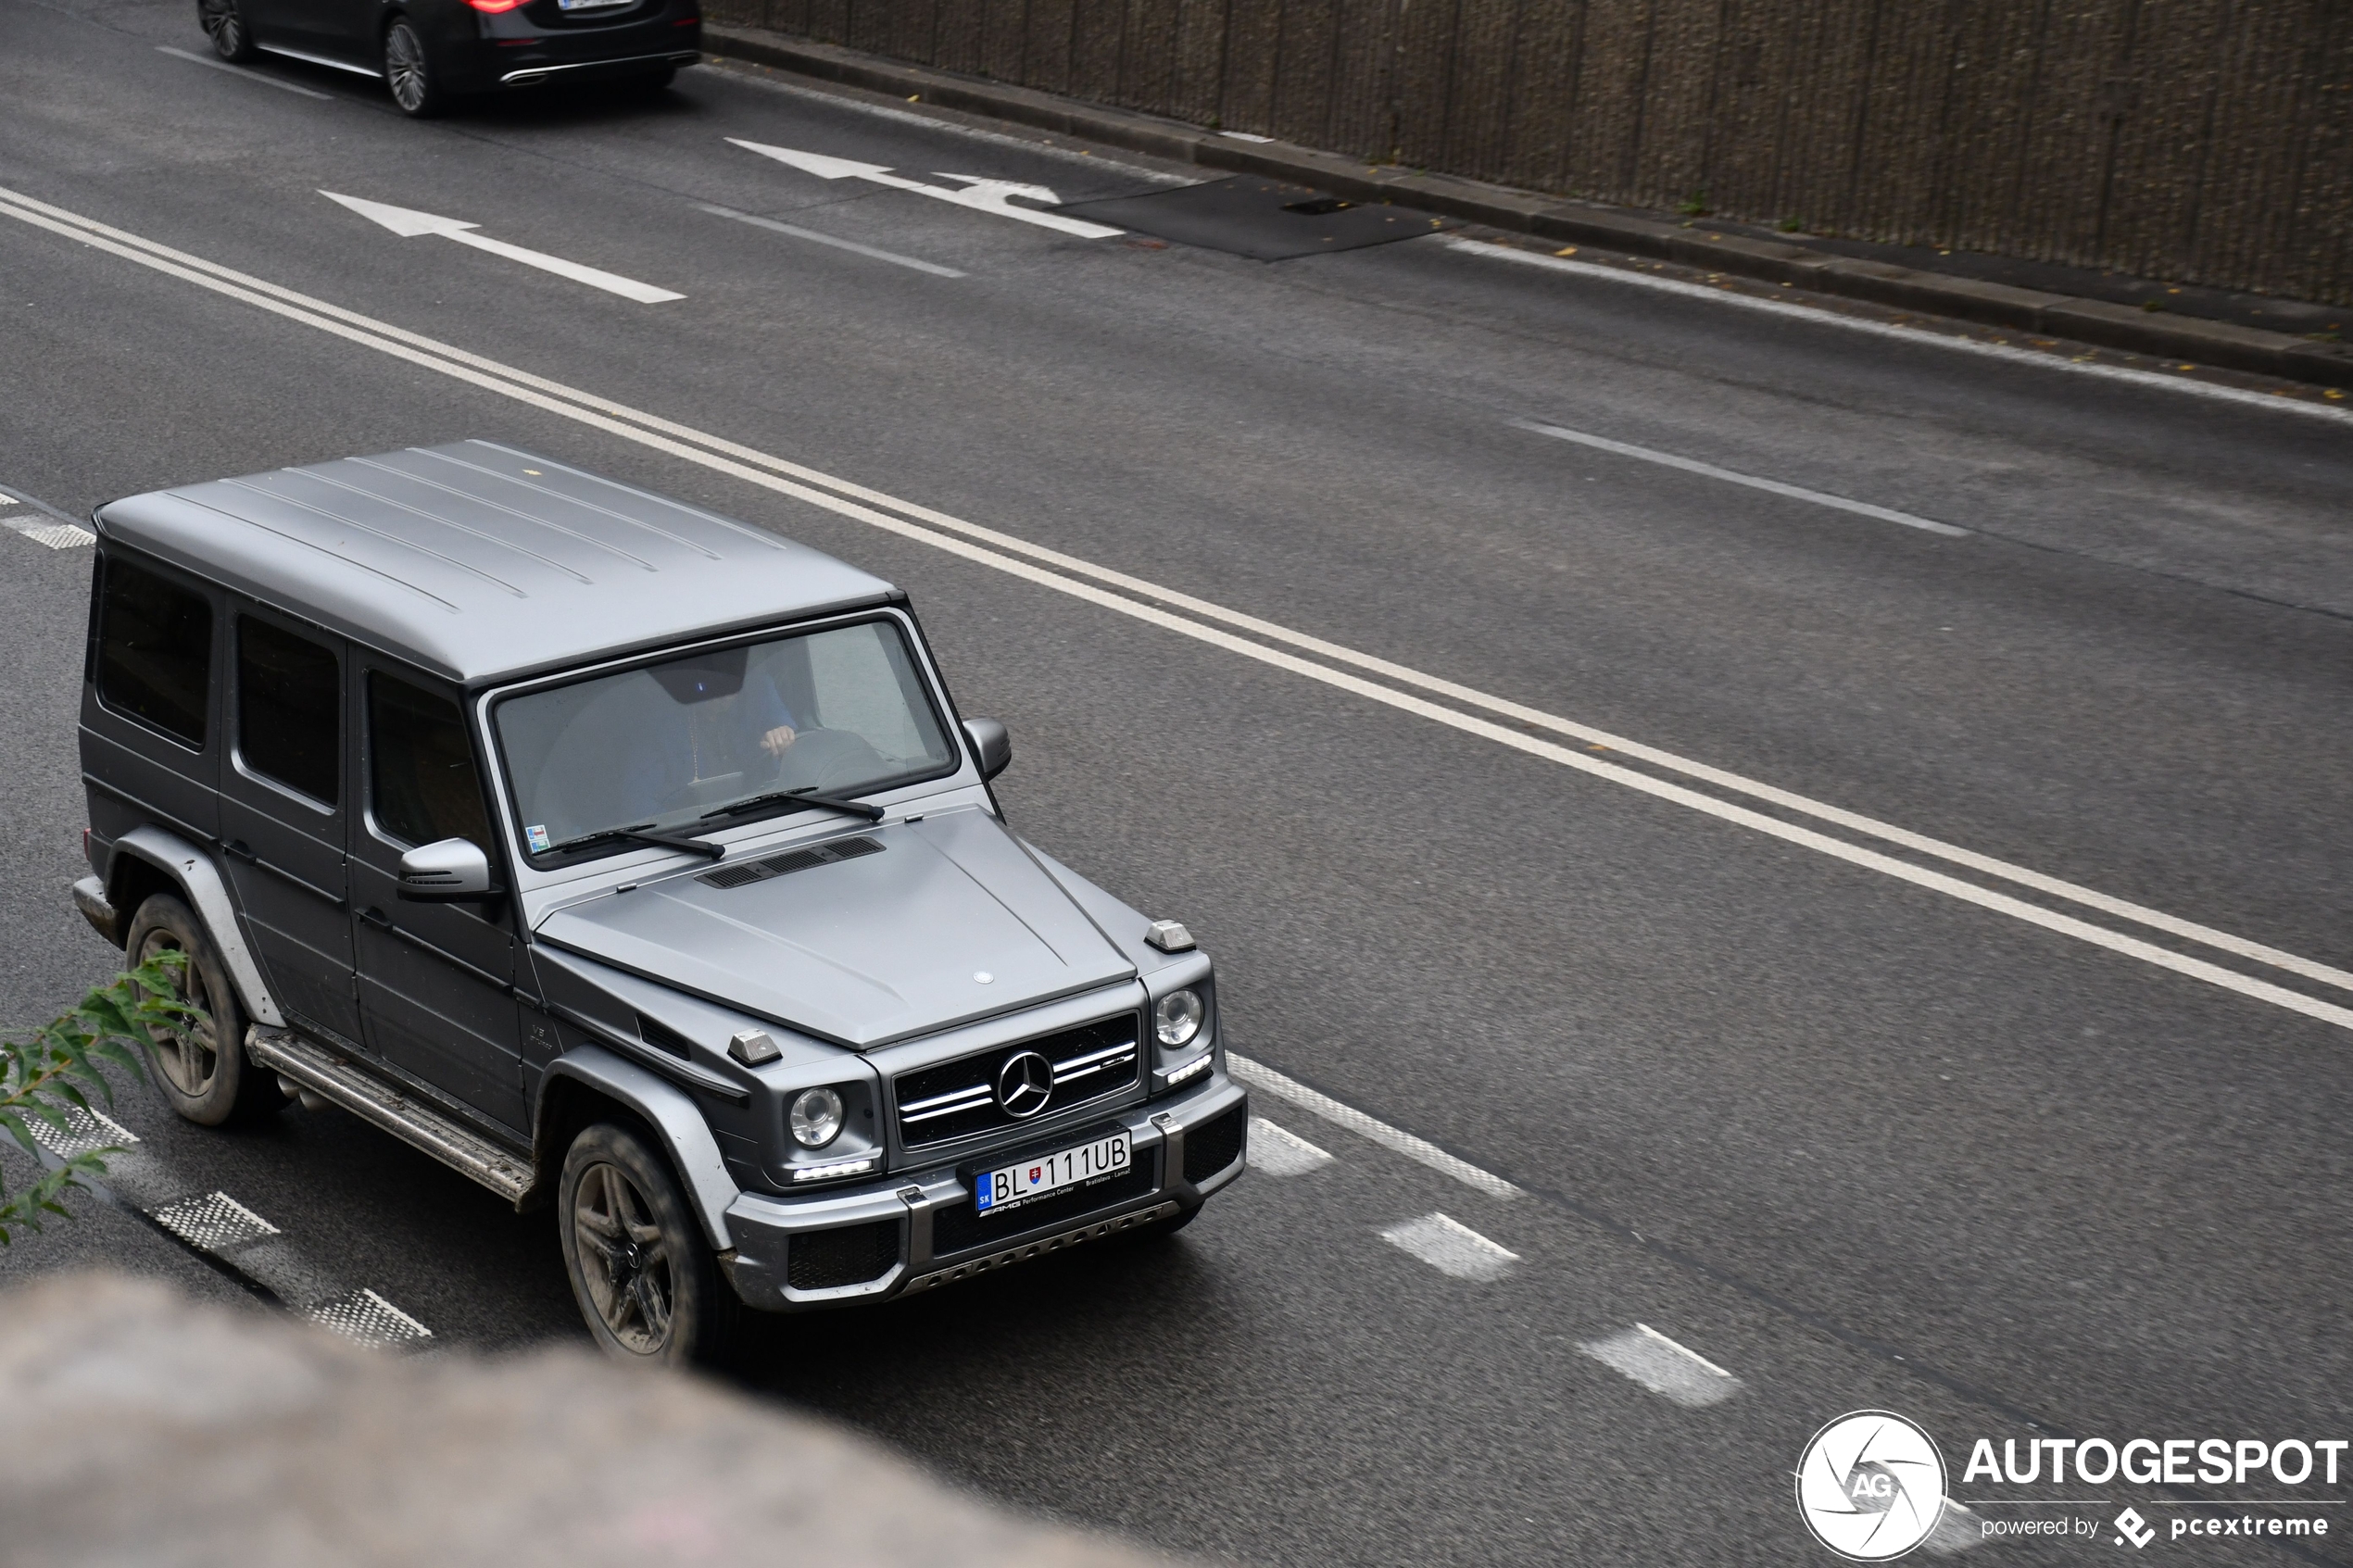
(641, 836)
(800, 797)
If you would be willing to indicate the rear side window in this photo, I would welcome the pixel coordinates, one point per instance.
(424, 786)
(289, 708)
(155, 650)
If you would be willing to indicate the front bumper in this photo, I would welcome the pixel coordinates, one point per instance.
(929, 1215)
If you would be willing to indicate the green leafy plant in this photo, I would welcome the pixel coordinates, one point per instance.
(46, 1080)
(1792, 224)
(1694, 205)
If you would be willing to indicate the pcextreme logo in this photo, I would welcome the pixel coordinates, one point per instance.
(1871, 1486)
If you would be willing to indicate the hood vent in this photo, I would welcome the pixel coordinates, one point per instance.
(790, 861)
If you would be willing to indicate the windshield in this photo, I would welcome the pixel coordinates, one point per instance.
(666, 745)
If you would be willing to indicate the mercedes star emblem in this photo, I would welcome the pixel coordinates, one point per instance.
(1024, 1083)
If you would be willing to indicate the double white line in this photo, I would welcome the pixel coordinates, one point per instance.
(1397, 685)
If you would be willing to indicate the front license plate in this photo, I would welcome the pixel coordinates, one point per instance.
(1012, 1185)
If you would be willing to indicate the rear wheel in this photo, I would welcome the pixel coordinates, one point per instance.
(644, 1278)
(408, 71)
(224, 22)
(201, 1068)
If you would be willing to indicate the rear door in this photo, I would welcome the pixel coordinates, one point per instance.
(436, 981)
(283, 806)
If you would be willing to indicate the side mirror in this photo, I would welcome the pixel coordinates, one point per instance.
(991, 745)
(446, 872)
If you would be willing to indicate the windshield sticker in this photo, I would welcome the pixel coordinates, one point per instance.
(539, 838)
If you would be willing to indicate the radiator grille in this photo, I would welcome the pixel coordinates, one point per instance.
(959, 1098)
(851, 1255)
(1215, 1145)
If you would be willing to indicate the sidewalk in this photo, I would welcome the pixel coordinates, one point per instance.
(2141, 315)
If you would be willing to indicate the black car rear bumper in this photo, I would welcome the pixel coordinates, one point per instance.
(595, 71)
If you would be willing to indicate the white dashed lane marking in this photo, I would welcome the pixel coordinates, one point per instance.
(1772, 486)
(1281, 1153)
(42, 524)
(1665, 1368)
(247, 1245)
(214, 1221)
(85, 1130)
(1957, 1531)
(369, 1318)
(1450, 1247)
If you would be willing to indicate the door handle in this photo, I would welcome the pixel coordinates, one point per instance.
(237, 849)
(374, 916)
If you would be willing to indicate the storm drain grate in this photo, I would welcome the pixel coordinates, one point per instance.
(790, 861)
(85, 1130)
(369, 1318)
(213, 1222)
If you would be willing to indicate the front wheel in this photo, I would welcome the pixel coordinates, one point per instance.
(408, 71)
(645, 1280)
(224, 22)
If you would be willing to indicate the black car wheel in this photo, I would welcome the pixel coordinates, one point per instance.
(224, 22)
(416, 87)
(644, 1276)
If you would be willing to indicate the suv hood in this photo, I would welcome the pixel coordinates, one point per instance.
(862, 951)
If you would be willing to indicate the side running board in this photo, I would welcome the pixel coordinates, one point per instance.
(404, 1116)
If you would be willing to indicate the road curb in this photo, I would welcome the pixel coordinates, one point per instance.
(2203, 343)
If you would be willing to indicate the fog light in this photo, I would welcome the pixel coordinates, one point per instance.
(1188, 1072)
(837, 1169)
(1178, 1018)
(816, 1118)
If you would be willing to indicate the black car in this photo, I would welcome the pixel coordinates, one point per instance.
(429, 52)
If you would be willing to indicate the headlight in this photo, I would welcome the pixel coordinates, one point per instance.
(816, 1117)
(1178, 1018)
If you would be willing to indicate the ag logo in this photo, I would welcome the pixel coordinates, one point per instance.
(1871, 1486)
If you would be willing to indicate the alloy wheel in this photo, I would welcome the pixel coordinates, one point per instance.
(188, 1055)
(625, 1261)
(225, 25)
(404, 66)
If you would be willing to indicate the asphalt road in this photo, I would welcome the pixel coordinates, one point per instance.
(1855, 1136)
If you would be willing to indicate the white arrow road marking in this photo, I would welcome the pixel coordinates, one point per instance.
(1663, 1367)
(981, 194)
(408, 224)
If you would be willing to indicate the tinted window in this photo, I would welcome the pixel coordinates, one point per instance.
(424, 784)
(289, 708)
(155, 650)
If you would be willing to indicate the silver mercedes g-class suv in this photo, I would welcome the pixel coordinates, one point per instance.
(629, 858)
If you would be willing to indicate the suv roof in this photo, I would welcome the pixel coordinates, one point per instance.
(482, 562)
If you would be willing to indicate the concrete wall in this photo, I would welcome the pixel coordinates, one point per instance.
(2206, 141)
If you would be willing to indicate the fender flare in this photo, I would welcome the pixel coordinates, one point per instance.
(673, 1116)
(192, 870)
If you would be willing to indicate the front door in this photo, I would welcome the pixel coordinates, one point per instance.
(282, 816)
(436, 981)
